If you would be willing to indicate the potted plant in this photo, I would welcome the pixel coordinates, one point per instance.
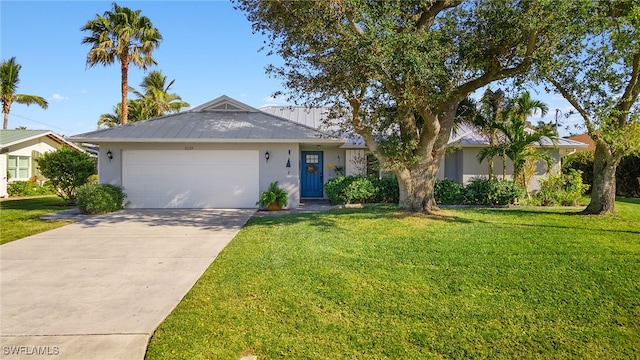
(273, 199)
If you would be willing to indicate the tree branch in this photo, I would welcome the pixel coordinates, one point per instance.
(428, 16)
(496, 71)
(565, 93)
(633, 87)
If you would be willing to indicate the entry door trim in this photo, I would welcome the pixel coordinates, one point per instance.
(311, 174)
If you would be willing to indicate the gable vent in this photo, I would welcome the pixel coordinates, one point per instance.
(224, 107)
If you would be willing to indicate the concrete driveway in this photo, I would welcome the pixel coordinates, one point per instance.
(97, 289)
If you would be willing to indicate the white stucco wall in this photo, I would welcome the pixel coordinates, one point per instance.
(273, 170)
(463, 166)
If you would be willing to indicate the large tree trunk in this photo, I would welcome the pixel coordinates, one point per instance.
(603, 192)
(6, 121)
(417, 187)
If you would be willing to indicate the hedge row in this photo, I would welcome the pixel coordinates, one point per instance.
(361, 189)
(478, 192)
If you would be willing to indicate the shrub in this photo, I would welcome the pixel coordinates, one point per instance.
(360, 189)
(492, 192)
(274, 195)
(562, 189)
(30, 188)
(581, 161)
(67, 169)
(627, 176)
(627, 172)
(335, 190)
(386, 190)
(448, 192)
(100, 198)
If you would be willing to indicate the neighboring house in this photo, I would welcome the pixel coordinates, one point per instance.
(19, 150)
(461, 164)
(223, 153)
(584, 138)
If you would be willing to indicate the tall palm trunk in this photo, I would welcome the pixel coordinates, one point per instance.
(124, 69)
(5, 112)
(603, 193)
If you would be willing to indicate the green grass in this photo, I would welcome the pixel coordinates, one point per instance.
(21, 218)
(379, 284)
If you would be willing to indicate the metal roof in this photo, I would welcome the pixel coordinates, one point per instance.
(467, 135)
(13, 137)
(220, 120)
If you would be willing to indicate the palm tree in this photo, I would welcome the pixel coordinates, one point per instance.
(155, 95)
(9, 79)
(515, 138)
(137, 111)
(121, 34)
(489, 114)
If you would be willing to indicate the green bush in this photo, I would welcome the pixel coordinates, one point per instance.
(67, 169)
(581, 161)
(492, 192)
(361, 189)
(100, 198)
(627, 176)
(562, 189)
(29, 188)
(386, 190)
(448, 192)
(627, 173)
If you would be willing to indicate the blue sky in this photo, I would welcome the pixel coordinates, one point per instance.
(208, 48)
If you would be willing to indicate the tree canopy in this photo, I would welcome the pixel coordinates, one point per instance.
(397, 71)
(598, 72)
(122, 35)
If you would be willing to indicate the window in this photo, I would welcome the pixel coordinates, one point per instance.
(19, 167)
(312, 159)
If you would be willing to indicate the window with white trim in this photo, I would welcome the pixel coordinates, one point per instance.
(18, 167)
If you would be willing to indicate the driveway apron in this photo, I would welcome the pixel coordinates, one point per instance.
(98, 288)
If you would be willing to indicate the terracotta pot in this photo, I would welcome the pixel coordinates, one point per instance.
(274, 206)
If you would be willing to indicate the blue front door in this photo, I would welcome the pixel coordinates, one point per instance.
(311, 174)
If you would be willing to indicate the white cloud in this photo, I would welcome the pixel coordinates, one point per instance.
(280, 100)
(59, 97)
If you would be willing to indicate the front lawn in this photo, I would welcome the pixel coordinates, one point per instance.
(375, 283)
(21, 217)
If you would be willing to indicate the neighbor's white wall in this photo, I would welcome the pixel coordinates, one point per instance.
(353, 159)
(41, 145)
(273, 170)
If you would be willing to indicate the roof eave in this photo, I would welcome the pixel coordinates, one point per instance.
(205, 140)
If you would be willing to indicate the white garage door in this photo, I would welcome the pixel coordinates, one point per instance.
(190, 179)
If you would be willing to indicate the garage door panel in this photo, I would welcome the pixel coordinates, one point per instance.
(191, 179)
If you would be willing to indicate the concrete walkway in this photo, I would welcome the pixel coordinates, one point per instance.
(97, 289)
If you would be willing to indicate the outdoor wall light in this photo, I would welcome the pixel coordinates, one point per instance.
(266, 156)
(109, 155)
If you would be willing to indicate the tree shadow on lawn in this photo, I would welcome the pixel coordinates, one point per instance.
(330, 218)
(528, 213)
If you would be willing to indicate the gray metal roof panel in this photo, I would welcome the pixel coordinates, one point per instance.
(210, 125)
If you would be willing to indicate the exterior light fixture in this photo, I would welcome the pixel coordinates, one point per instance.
(266, 156)
(109, 155)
